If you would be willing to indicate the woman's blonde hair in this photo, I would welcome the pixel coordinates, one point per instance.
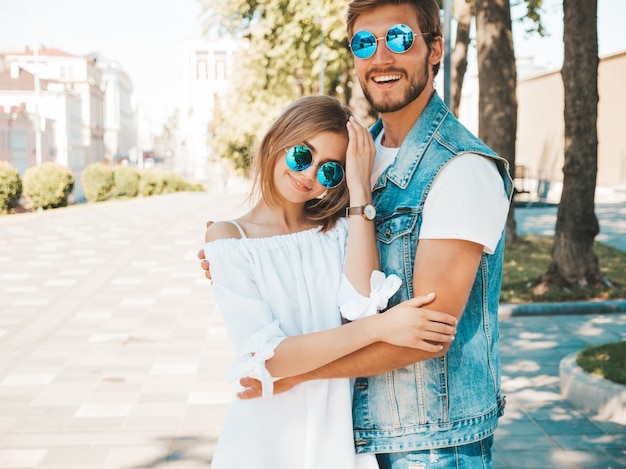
(302, 120)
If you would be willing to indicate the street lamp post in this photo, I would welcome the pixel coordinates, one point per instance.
(447, 52)
(38, 118)
(39, 123)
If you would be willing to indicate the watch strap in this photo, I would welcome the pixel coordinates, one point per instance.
(358, 210)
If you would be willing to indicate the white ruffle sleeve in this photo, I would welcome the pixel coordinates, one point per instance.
(354, 306)
(251, 361)
(252, 328)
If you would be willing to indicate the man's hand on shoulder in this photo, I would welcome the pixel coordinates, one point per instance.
(204, 264)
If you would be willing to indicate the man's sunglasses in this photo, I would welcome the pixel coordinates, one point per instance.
(399, 39)
(329, 175)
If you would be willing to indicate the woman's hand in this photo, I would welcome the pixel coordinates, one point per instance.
(408, 325)
(359, 161)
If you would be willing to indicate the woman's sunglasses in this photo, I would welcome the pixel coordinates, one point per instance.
(329, 175)
(399, 39)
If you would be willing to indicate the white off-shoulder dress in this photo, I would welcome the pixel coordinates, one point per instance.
(268, 289)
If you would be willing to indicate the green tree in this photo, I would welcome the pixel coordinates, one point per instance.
(497, 102)
(497, 72)
(574, 263)
(288, 44)
(464, 12)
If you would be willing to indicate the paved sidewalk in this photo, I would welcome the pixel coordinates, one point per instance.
(113, 356)
(542, 220)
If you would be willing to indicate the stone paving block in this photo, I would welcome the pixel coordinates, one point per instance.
(75, 456)
(22, 458)
(17, 440)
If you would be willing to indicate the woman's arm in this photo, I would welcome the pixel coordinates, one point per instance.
(404, 325)
(361, 253)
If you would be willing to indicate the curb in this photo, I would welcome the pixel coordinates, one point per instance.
(563, 308)
(592, 393)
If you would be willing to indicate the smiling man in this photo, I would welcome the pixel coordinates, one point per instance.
(442, 199)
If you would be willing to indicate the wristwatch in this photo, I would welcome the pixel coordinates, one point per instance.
(368, 211)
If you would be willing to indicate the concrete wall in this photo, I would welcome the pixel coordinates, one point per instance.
(541, 126)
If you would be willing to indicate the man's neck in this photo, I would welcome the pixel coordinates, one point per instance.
(398, 124)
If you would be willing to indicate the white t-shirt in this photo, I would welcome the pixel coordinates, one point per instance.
(467, 200)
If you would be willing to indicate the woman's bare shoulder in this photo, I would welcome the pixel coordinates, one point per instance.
(221, 230)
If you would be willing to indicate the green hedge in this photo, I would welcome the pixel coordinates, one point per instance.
(173, 182)
(101, 182)
(10, 187)
(98, 180)
(151, 183)
(126, 182)
(48, 185)
(194, 187)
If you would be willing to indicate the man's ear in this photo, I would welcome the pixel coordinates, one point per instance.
(436, 51)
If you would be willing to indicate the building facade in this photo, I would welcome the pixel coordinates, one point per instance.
(55, 113)
(86, 103)
(83, 78)
(18, 144)
(120, 128)
(208, 66)
(540, 134)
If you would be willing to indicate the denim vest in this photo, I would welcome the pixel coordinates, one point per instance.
(455, 399)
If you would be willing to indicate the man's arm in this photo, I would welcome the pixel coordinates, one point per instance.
(445, 266)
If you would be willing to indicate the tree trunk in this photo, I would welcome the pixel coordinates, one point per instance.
(464, 11)
(497, 101)
(574, 264)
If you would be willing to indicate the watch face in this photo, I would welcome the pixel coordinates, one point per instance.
(369, 212)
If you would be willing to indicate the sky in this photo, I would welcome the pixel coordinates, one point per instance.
(146, 37)
(548, 51)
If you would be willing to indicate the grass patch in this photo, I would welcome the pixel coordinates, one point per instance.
(607, 361)
(529, 259)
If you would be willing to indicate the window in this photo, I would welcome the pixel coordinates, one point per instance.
(202, 65)
(220, 66)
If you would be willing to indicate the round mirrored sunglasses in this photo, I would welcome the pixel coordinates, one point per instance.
(329, 175)
(399, 39)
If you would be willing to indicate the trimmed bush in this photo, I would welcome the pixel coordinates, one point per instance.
(10, 187)
(173, 182)
(126, 182)
(151, 183)
(48, 185)
(98, 180)
(194, 187)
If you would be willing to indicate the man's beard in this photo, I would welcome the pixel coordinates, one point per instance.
(415, 89)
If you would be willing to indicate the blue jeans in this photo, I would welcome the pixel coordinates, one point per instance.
(472, 456)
